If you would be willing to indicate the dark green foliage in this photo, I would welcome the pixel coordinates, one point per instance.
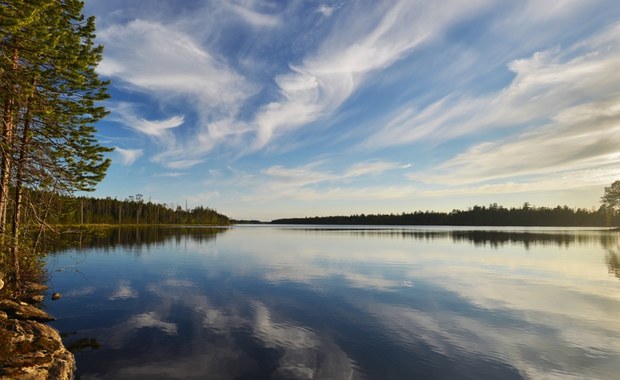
(611, 197)
(493, 215)
(49, 95)
(131, 211)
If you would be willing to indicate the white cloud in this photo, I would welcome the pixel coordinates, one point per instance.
(298, 177)
(326, 10)
(581, 138)
(129, 156)
(310, 182)
(544, 85)
(170, 174)
(167, 64)
(254, 17)
(550, 182)
(309, 174)
(322, 82)
(157, 128)
(182, 164)
(370, 168)
(567, 100)
(228, 79)
(156, 57)
(127, 115)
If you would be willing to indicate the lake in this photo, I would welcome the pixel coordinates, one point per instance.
(308, 302)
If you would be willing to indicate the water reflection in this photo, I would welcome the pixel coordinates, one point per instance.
(612, 246)
(273, 303)
(130, 237)
(476, 235)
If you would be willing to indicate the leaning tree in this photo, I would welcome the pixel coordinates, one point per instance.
(49, 94)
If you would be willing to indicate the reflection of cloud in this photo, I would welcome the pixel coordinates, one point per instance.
(279, 335)
(180, 283)
(151, 320)
(305, 354)
(548, 312)
(120, 334)
(304, 350)
(517, 340)
(80, 292)
(124, 291)
(516, 308)
(218, 362)
(310, 273)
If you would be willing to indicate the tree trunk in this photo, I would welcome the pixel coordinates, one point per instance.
(19, 181)
(8, 125)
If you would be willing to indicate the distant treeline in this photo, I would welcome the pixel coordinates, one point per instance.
(493, 215)
(133, 210)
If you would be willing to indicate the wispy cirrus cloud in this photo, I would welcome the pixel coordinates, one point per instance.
(566, 102)
(311, 173)
(128, 156)
(314, 182)
(326, 10)
(254, 17)
(545, 85)
(126, 114)
(581, 138)
(375, 39)
(271, 87)
(164, 62)
(152, 56)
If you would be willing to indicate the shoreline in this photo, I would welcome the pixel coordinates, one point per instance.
(29, 347)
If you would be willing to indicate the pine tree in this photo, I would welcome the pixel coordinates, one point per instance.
(50, 95)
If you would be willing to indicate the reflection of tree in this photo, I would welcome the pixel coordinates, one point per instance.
(611, 244)
(83, 344)
(478, 237)
(138, 237)
(613, 263)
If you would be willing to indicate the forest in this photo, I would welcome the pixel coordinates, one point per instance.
(132, 211)
(492, 215)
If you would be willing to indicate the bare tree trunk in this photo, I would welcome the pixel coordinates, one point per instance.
(8, 125)
(19, 181)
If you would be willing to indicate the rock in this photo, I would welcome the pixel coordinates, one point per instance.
(33, 287)
(33, 351)
(31, 292)
(31, 298)
(56, 296)
(30, 349)
(24, 311)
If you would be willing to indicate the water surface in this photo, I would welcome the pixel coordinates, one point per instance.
(284, 302)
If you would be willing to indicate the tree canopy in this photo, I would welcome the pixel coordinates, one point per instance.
(611, 197)
(49, 104)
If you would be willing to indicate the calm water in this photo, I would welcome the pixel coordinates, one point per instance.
(263, 302)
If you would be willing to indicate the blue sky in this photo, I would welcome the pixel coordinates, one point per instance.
(266, 109)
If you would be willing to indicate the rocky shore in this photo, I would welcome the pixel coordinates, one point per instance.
(29, 348)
